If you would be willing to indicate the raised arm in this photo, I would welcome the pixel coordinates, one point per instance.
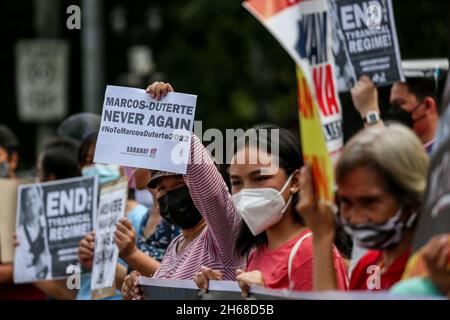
(209, 193)
(212, 198)
(365, 100)
(319, 218)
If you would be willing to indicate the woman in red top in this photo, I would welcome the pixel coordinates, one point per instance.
(274, 237)
(381, 177)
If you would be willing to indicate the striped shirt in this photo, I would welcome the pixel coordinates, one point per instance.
(215, 246)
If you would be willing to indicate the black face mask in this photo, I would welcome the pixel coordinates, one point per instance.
(397, 114)
(177, 207)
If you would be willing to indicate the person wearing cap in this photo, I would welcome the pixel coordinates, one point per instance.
(415, 103)
(201, 206)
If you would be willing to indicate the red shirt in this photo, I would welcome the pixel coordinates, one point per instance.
(10, 291)
(367, 271)
(273, 264)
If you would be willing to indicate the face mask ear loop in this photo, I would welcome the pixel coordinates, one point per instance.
(397, 215)
(282, 190)
(411, 220)
(287, 183)
(287, 204)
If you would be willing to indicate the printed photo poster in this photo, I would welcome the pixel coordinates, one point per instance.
(141, 132)
(52, 218)
(313, 142)
(303, 28)
(345, 73)
(365, 35)
(434, 218)
(112, 204)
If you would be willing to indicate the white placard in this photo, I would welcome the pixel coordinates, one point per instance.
(139, 131)
(111, 208)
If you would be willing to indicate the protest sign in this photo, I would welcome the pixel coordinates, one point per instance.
(443, 130)
(111, 208)
(167, 289)
(313, 142)
(345, 74)
(139, 131)
(8, 199)
(52, 218)
(366, 32)
(261, 293)
(435, 214)
(303, 29)
(434, 218)
(222, 290)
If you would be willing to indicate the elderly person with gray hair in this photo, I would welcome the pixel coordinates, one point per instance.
(381, 178)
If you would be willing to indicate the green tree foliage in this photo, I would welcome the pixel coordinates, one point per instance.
(219, 51)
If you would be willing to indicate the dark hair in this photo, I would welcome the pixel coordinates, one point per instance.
(290, 159)
(86, 143)
(8, 140)
(426, 87)
(59, 158)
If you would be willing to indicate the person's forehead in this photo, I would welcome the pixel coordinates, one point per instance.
(400, 91)
(398, 88)
(168, 180)
(252, 155)
(362, 180)
(251, 170)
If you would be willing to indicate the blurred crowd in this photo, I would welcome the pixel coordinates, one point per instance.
(267, 230)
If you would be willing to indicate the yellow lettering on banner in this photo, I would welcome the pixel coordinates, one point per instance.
(313, 141)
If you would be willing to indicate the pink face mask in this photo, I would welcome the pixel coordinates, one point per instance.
(129, 173)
